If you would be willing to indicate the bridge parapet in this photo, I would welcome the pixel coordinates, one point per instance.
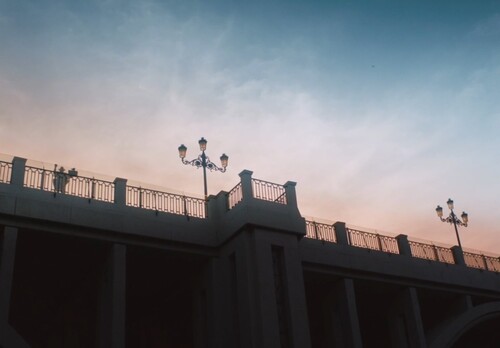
(260, 203)
(251, 202)
(340, 234)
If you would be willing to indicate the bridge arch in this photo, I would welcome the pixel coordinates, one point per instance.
(452, 332)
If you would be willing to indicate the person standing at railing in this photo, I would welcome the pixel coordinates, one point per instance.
(60, 180)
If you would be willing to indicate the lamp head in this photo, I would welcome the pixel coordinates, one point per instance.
(439, 211)
(465, 218)
(182, 151)
(223, 160)
(203, 144)
(450, 203)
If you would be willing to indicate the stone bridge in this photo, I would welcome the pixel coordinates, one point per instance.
(87, 262)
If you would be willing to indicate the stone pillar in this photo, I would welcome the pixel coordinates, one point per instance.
(244, 297)
(458, 255)
(120, 191)
(403, 245)
(291, 194)
(217, 325)
(341, 316)
(246, 184)
(261, 300)
(299, 323)
(407, 330)
(341, 233)
(113, 300)
(8, 254)
(18, 169)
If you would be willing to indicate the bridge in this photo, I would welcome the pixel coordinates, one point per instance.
(92, 262)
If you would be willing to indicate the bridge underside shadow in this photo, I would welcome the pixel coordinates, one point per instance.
(59, 294)
(478, 327)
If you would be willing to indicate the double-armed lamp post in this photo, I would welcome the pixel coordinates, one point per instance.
(453, 219)
(203, 161)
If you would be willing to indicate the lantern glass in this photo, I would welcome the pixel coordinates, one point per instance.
(182, 151)
(203, 144)
(223, 160)
(439, 211)
(450, 204)
(465, 218)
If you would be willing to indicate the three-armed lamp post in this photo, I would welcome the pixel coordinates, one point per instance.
(203, 161)
(453, 219)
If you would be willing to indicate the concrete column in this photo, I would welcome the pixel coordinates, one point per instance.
(245, 296)
(120, 191)
(8, 254)
(403, 245)
(458, 255)
(407, 330)
(246, 184)
(341, 316)
(266, 316)
(291, 194)
(18, 169)
(299, 323)
(341, 233)
(220, 327)
(113, 300)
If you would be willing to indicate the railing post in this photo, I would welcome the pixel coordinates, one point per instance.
(316, 230)
(436, 253)
(458, 255)
(246, 184)
(485, 263)
(120, 191)
(379, 240)
(341, 233)
(403, 245)
(291, 194)
(18, 170)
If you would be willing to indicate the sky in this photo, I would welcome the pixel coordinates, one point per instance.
(379, 110)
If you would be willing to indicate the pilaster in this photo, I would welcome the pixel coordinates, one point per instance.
(18, 170)
(8, 254)
(120, 191)
(113, 300)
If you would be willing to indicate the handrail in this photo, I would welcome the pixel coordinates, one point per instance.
(65, 183)
(375, 241)
(140, 197)
(431, 252)
(268, 191)
(234, 196)
(482, 261)
(5, 172)
(320, 231)
(372, 241)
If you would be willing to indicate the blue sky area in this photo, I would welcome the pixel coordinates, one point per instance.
(380, 110)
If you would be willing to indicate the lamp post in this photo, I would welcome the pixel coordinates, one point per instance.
(203, 161)
(453, 219)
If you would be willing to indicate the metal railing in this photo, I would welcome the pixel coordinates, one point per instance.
(166, 202)
(268, 191)
(320, 231)
(234, 196)
(431, 252)
(482, 261)
(372, 241)
(5, 172)
(80, 186)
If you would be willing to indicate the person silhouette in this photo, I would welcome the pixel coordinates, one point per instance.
(60, 180)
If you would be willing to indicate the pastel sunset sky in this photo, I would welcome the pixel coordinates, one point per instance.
(379, 110)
